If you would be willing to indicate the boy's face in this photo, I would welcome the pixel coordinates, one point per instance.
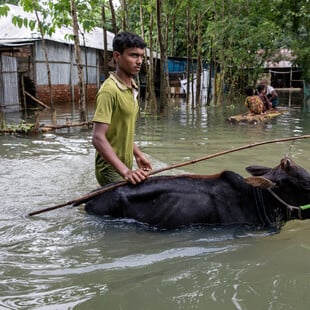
(130, 61)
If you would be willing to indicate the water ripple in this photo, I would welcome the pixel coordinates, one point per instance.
(135, 261)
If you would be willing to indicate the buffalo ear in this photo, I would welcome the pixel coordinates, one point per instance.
(258, 181)
(257, 170)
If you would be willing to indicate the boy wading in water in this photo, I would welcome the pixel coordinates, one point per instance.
(115, 116)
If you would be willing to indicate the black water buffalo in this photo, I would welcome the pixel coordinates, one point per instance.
(266, 199)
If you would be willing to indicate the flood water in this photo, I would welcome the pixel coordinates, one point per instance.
(67, 259)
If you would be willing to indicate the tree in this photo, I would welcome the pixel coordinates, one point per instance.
(113, 18)
(82, 97)
(235, 37)
(105, 43)
(150, 96)
(124, 10)
(294, 20)
(162, 30)
(44, 28)
(80, 16)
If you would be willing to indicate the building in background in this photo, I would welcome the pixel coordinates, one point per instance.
(23, 68)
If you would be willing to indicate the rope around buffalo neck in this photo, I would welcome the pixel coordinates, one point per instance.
(289, 207)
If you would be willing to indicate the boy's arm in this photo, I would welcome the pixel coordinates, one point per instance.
(103, 146)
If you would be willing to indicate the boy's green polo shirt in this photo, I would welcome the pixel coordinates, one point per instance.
(117, 105)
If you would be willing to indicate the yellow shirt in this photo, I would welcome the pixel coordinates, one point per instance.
(116, 105)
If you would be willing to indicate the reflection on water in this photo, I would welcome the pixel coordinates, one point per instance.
(66, 259)
(187, 135)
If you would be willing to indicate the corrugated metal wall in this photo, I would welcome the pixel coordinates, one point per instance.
(9, 96)
(62, 64)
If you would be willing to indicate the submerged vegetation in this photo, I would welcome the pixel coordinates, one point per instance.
(21, 128)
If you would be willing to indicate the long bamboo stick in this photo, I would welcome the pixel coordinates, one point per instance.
(107, 188)
(194, 161)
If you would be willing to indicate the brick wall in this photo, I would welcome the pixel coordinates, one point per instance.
(62, 93)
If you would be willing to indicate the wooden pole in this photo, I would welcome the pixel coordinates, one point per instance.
(37, 100)
(24, 92)
(290, 92)
(248, 146)
(107, 188)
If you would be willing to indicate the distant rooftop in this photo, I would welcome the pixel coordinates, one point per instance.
(11, 35)
(283, 59)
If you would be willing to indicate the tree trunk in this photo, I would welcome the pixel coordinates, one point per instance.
(172, 36)
(188, 55)
(115, 29)
(49, 79)
(125, 15)
(199, 61)
(151, 95)
(81, 83)
(141, 19)
(210, 72)
(105, 44)
(164, 86)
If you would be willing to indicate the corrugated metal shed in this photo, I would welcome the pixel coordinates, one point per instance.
(25, 46)
(11, 35)
(9, 97)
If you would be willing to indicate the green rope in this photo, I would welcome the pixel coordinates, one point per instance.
(305, 207)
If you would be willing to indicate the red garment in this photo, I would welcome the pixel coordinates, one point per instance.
(254, 104)
(265, 101)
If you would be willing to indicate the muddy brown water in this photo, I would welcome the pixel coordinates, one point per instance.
(67, 259)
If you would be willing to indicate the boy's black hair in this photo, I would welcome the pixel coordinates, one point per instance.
(249, 91)
(124, 40)
(260, 87)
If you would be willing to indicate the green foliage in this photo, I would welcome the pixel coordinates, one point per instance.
(296, 23)
(3, 2)
(4, 9)
(56, 14)
(237, 36)
(88, 13)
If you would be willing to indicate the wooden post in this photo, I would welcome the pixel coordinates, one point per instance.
(36, 100)
(71, 78)
(23, 92)
(290, 93)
